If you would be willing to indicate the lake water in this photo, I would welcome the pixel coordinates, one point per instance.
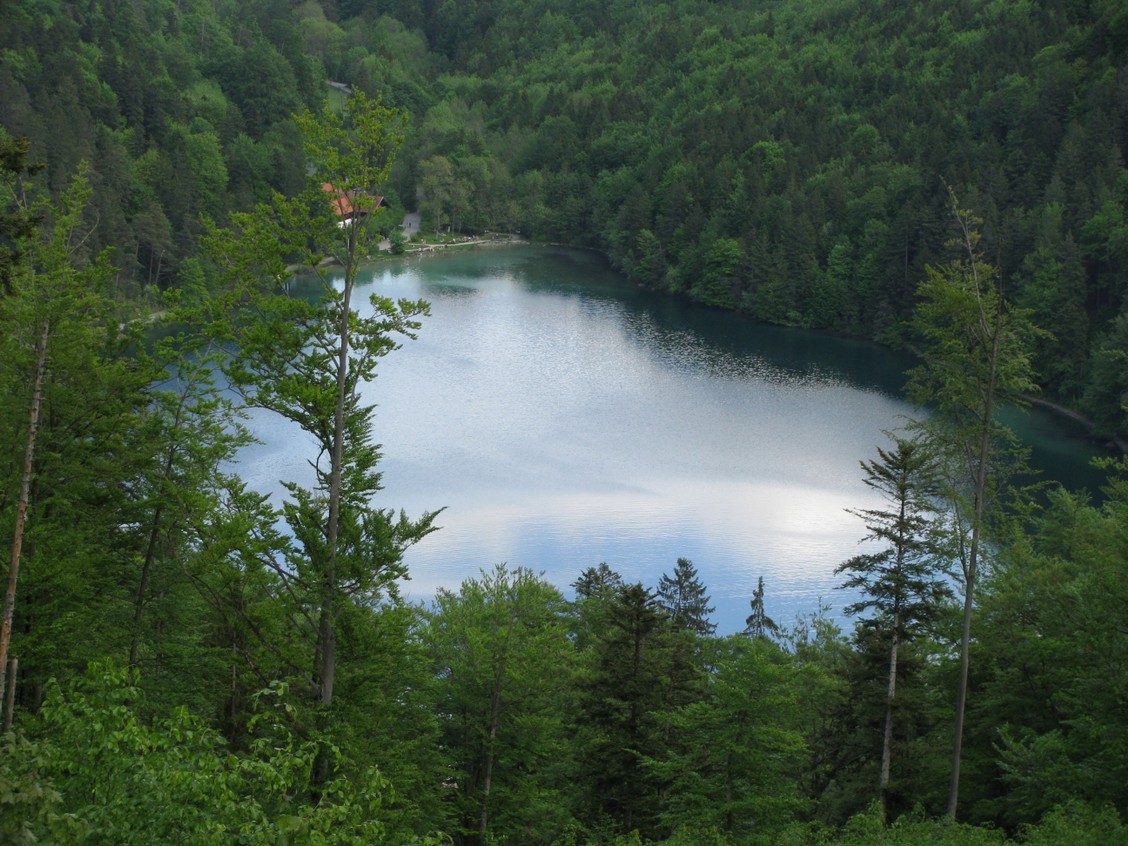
(565, 418)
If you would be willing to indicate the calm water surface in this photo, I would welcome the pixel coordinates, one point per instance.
(565, 418)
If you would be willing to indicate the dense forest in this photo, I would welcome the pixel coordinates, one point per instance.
(182, 660)
(792, 161)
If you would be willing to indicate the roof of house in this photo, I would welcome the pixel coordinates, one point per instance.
(352, 205)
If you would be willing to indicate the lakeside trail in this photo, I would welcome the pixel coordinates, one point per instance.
(492, 240)
(410, 228)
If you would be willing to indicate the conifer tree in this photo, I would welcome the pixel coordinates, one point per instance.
(597, 582)
(621, 698)
(17, 220)
(758, 624)
(899, 582)
(76, 397)
(684, 598)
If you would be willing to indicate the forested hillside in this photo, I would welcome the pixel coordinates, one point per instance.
(192, 663)
(789, 160)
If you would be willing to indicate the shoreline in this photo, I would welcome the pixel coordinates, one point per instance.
(417, 250)
(491, 241)
(1112, 442)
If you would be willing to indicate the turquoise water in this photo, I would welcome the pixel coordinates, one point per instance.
(564, 418)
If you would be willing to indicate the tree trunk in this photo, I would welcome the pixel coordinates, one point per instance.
(142, 589)
(887, 742)
(21, 508)
(10, 695)
(151, 548)
(994, 333)
(327, 652)
(487, 779)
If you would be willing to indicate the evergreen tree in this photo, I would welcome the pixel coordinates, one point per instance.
(596, 590)
(17, 220)
(758, 624)
(621, 704)
(74, 432)
(597, 582)
(737, 753)
(900, 582)
(195, 431)
(684, 599)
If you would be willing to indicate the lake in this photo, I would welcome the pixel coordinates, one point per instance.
(566, 418)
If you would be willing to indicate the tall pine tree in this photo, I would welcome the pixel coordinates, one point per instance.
(684, 598)
(900, 582)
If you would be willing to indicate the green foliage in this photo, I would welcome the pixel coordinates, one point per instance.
(788, 162)
(976, 357)
(1076, 823)
(1106, 395)
(734, 757)
(29, 802)
(900, 581)
(102, 774)
(1052, 628)
(683, 598)
(758, 624)
(17, 221)
(910, 830)
(306, 360)
(504, 669)
(904, 586)
(621, 705)
(89, 448)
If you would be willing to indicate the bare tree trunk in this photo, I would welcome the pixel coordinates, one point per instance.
(9, 705)
(142, 589)
(21, 508)
(10, 697)
(994, 334)
(887, 741)
(487, 780)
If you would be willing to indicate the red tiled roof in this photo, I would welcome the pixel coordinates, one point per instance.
(346, 205)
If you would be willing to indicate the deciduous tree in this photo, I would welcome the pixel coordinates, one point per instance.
(975, 348)
(504, 667)
(306, 358)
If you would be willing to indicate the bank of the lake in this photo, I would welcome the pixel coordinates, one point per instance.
(1110, 444)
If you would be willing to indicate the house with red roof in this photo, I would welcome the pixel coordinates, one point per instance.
(350, 205)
